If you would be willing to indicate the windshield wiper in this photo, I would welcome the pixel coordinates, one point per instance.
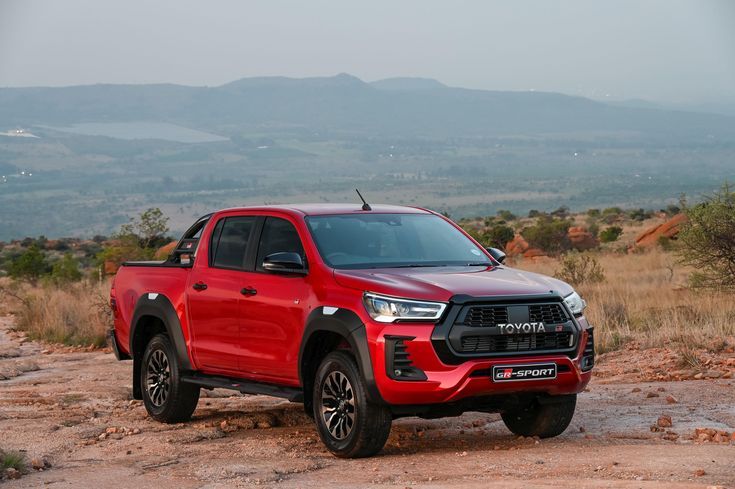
(414, 265)
(479, 264)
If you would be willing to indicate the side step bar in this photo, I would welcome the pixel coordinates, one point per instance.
(293, 394)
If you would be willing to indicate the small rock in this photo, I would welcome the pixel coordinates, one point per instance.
(636, 389)
(40, 463)
(136, 431)
(671, 399)
(11, 473)
(652, 394)
(582, 429)
(661, 389)
(664, 421)
(699, 473)
(698, 376)
(103, 436)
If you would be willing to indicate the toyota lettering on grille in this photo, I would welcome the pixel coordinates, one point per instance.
(513, 328)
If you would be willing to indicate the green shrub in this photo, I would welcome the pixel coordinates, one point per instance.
(578, 269)
(548, 234)
(610, 234)
(707, 240)
(30, 266)
(66, 270)
(506, 215)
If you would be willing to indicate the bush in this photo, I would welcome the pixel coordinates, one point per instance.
(707, 240)
(498, 236)
(13, 460)
(549, 234)
(578, 269)
(77, 314)
(506, 215)
(610, 234)
(66, 270)
(30, 266)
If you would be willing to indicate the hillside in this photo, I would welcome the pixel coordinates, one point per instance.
(401, 106)
(100, 154)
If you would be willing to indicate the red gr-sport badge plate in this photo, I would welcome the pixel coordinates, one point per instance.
(515, 373)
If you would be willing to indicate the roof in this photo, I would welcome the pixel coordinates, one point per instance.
(326, 209)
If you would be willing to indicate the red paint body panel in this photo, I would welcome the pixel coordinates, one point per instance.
(258, 337)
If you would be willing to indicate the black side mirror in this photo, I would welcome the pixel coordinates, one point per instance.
(497, 254)
(284, 262)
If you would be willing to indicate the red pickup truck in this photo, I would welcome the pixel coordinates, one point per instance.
(364, 314)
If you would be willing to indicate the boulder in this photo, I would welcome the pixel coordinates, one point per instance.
(163, 252)
(581, 238)
(668, 229)
(520, 247)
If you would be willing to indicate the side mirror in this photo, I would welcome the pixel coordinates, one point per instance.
(284, 262)
(497, 254)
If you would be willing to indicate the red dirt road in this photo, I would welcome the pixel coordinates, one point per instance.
(60, 411)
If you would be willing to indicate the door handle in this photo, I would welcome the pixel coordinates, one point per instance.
(199, 286)
(248, 291)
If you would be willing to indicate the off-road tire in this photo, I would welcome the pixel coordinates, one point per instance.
(544, 420)
(371, 423)
(180, 399)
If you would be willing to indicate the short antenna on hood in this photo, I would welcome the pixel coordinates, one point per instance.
(365, 205)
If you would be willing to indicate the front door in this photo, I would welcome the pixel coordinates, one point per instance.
(273, 315)
(214, 295)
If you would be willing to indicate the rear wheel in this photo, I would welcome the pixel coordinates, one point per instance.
(348, 424)
(544, 420)
(165, 396)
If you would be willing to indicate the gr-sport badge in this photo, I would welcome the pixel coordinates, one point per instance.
(510, 373)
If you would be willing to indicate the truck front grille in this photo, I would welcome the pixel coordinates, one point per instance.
(517, 342)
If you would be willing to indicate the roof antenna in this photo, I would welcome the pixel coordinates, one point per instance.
(365, 205)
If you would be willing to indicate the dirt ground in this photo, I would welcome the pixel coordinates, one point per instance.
(73, 408)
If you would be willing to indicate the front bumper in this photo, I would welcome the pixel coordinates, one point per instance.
(442, 382)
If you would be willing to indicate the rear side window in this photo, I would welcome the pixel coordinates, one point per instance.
(279, 235)
(230, 241)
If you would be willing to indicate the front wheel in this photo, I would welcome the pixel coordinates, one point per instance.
(545, 420)
(165, 396)
(348, 424)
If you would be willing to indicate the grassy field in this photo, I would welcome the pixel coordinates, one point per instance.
(644, 298)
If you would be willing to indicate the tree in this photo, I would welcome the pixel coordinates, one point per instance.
(137, 239)
(610, 234)
(30, 266)
(549, 234)
(150, 228)
(707, 240)
(506, 215)
(66, 270)
(498, 236)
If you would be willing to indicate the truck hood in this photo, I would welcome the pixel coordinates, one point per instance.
(441, 283)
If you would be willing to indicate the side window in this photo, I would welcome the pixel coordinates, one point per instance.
(230, 241)
(278, 236)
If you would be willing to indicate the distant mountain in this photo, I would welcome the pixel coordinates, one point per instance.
(343, 103)
(407, 83)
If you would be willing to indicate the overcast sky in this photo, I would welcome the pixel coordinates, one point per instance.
(661, 50)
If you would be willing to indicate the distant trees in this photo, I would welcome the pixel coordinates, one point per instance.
(707, 240)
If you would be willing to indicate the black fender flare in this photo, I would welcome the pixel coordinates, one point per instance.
(160, 307)
(347, 324)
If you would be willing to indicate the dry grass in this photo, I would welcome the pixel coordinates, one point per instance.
(75, 315)
(644, 299)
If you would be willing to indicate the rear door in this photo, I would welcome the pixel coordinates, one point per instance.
(214, 296)
(274, 316)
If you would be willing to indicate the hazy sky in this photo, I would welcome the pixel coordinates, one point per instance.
(667, 50)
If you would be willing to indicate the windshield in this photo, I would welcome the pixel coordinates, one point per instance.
(392, 240)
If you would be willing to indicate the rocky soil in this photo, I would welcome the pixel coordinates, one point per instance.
(70, 412)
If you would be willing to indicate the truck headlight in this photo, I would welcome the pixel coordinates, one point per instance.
(575, 303)
(386, 309)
